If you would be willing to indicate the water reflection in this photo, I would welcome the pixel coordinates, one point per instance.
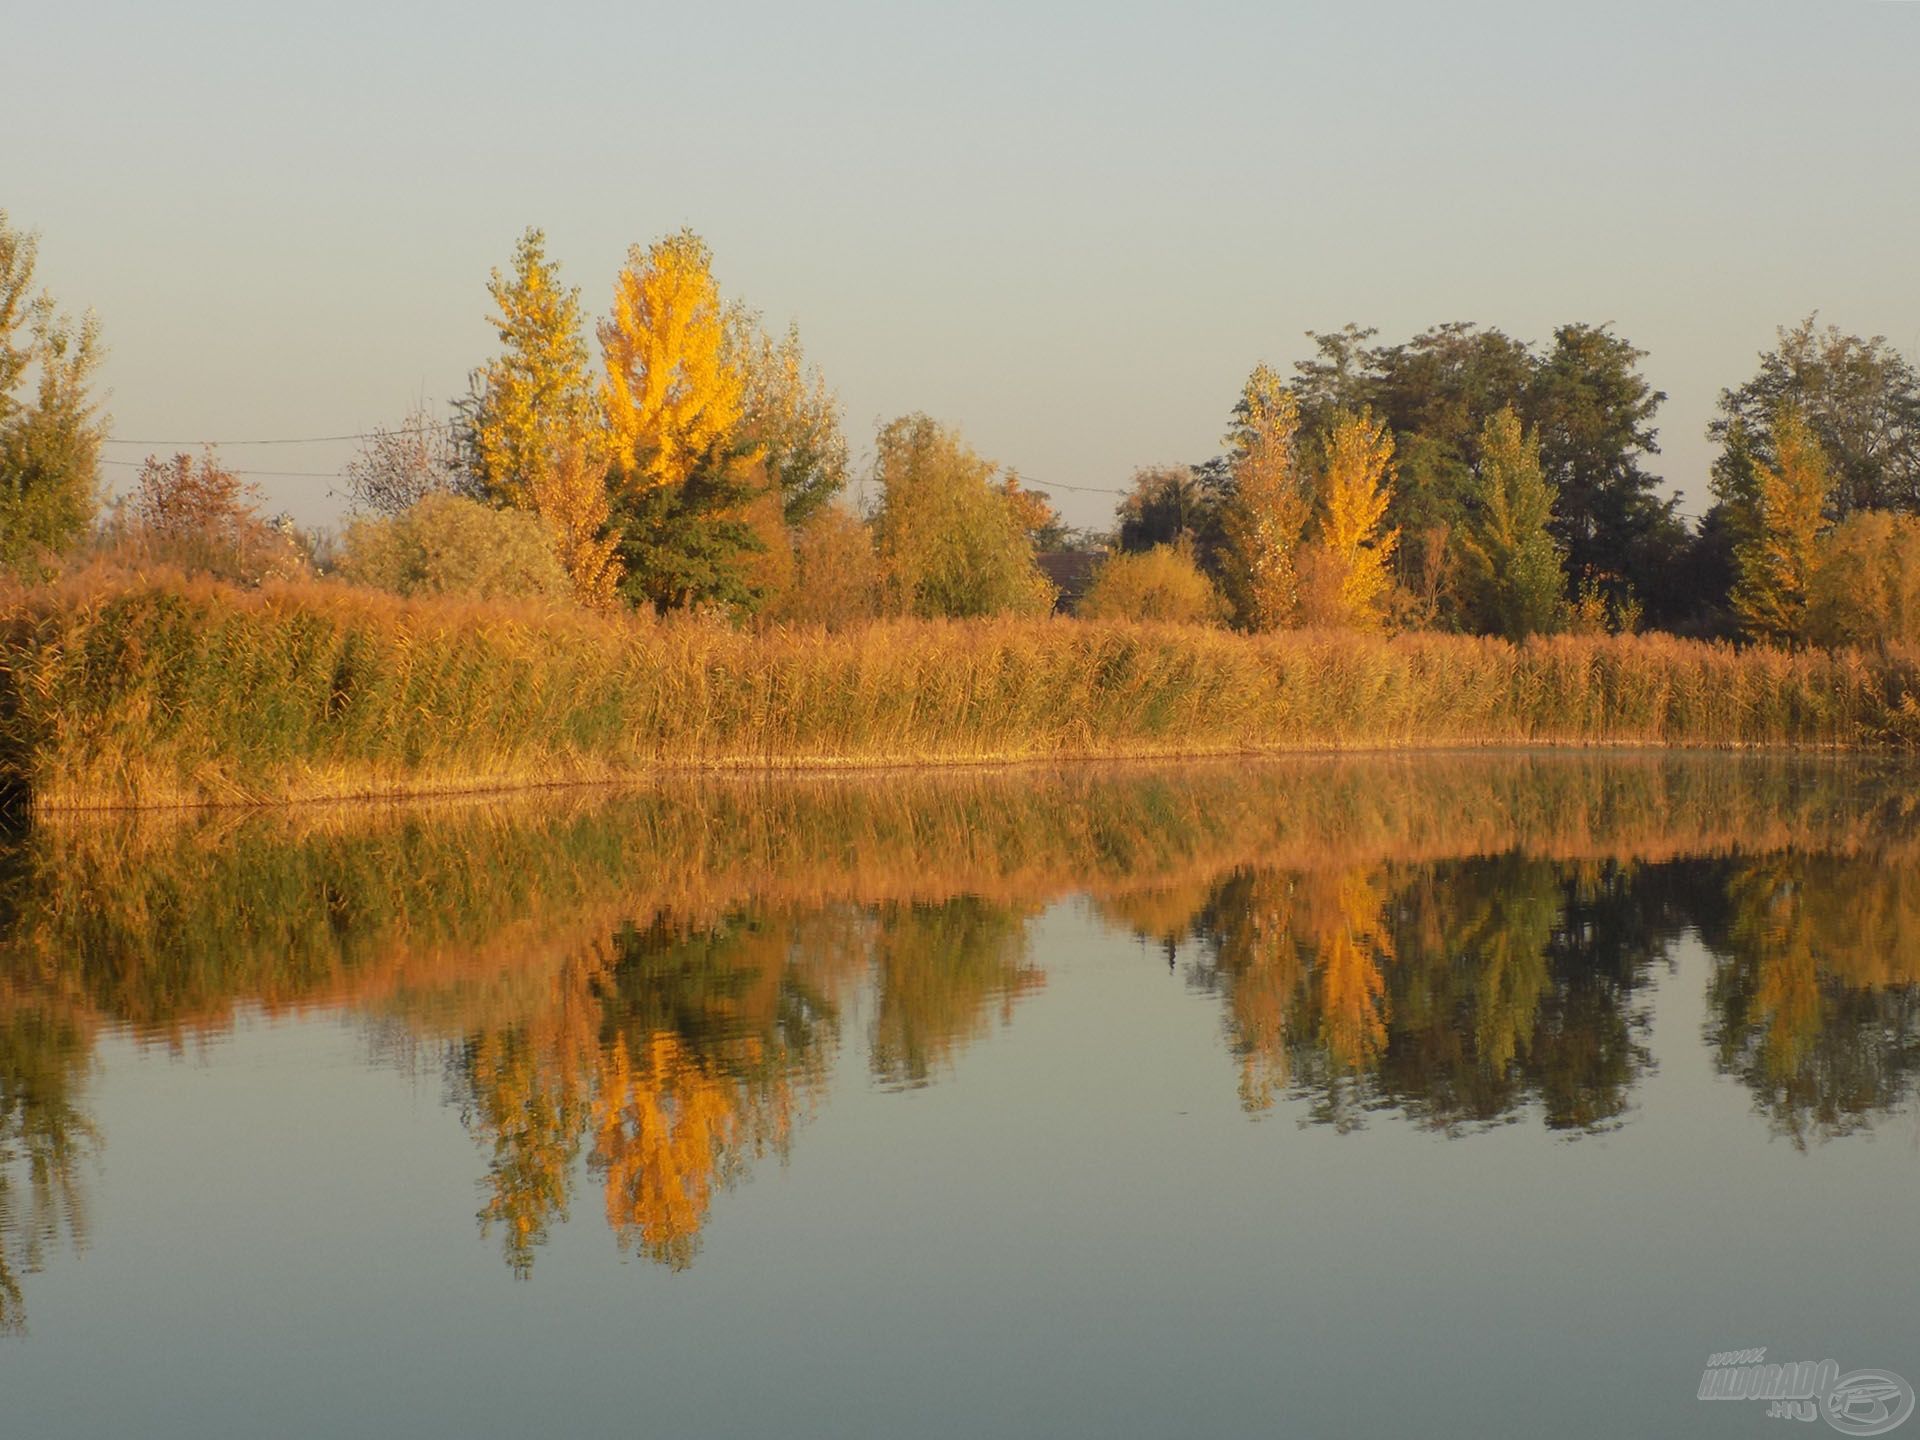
(1459, 993)
(644, 995)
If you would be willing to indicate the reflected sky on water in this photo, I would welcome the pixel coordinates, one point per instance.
(1444, 1095)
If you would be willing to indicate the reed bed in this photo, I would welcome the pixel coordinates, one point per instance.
(156, 691)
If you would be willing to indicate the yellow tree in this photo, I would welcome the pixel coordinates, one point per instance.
(569, 491)
(673, 394)
(531, 400)
(1776, 563)
(1270, 506)
(1357, 490)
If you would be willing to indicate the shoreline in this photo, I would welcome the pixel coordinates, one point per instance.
(1120, 765)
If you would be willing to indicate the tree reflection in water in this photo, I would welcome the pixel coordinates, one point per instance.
(646, 992)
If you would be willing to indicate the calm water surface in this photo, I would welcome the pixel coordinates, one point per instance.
(1421, 1096)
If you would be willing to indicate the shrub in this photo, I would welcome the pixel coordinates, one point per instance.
(199, 517)
(1865, 588)
(1158, 584)
(450, 545)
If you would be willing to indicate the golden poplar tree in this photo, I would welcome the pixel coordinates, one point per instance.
(1357, 490)
(531, 400)
(1270, 506)
(569, 491)
(674, 394)
(1777, 562)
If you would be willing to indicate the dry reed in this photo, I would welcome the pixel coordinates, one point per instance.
(164, 691)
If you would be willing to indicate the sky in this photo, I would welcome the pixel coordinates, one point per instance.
(1068, 229)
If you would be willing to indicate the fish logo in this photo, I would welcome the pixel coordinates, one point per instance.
(1867, 1402)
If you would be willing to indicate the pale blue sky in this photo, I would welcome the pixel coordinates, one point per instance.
(1070, 229)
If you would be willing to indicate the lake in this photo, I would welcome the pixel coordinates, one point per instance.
(1484, 1094)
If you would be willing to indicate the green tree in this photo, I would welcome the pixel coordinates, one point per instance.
(1514, 569)
(694, 542)
(949, 540)
(1435, 392)
(1584, 395)
(1595, 416)
(1860, 398)
(50, 440)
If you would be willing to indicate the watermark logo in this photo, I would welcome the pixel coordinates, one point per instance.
(1860, 1402)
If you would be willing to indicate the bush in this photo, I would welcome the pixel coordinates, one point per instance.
(450, 545)
(1865, 588)
(198, 517)
(1163, 583)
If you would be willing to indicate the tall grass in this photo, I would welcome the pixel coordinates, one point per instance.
(160, 691)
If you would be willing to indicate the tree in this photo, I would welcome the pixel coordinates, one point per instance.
(397, 467)
(1594, 413)
(181, 499)
(1035, 513)
(1435, 392)
(1776, 563)
(1592, 410)
(1866, 582)
(695, 542)
(674, 395)
(49, 444)
(1356, 490)
(568, 490)
(1516, 580)
(788, 412)
(686, 477)
(1860, 398)
(1269, 508)
(1167, 502)
(529, 402)
(949, 541)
